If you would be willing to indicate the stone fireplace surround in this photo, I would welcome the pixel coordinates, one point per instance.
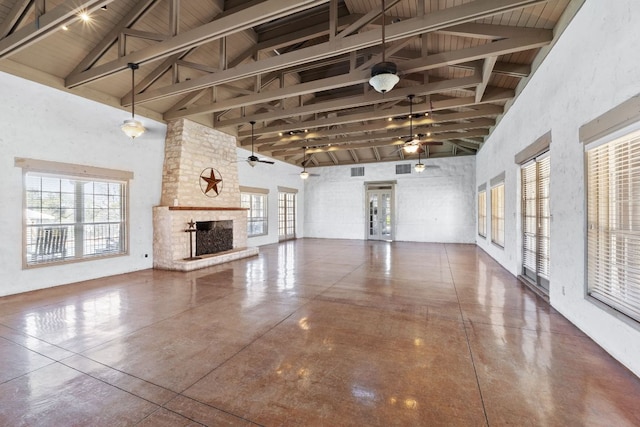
(189, 149)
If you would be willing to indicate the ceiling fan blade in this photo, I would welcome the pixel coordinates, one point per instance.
(267, 161)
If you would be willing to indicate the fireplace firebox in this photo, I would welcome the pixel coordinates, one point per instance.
(213, 237)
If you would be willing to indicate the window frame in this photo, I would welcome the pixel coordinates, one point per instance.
(77, 173)
(615, 210)
(256, 193)
(612, 124)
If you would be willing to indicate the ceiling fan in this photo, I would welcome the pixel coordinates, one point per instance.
(253, 159)
(304, 174)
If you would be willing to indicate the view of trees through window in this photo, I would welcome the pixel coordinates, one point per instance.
(71, 218)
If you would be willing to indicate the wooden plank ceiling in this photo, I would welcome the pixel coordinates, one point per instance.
(299, 69)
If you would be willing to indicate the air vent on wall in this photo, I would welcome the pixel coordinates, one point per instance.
(402, 169)
(359, 171)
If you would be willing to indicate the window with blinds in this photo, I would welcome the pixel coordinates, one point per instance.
(613, 229)
(497, 214)
(536, 220)
(482, 213)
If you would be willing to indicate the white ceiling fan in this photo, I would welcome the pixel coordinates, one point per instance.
(304, 174)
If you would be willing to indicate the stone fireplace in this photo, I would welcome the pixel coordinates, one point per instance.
(190, 149)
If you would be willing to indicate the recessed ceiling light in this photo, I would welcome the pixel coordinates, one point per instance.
(84, 16)
(65, 28)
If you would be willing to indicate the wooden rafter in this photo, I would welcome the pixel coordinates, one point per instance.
(46, 24)
(225, 25)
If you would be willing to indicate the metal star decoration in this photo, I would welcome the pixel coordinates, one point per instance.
(209, 176)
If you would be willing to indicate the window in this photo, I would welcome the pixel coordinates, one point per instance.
(497, 214)
(72, 217)
(613, 216)
(257, 213)
(482, 212)
(286, 213)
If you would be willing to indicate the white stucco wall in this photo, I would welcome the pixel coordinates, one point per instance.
(270, 177)
(46, 124)
(435, 206)
(592, 68)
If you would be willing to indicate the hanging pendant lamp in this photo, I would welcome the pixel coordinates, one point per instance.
(132, 127)
(419, 167)
(412, 145)
(384, 75)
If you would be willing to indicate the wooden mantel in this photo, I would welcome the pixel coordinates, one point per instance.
(205, 208)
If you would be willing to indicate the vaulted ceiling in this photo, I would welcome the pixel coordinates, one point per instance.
(299, 69)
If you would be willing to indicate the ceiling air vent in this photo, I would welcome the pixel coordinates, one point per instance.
(359, 171)
(402, 169)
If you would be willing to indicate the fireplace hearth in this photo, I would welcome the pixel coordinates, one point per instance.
(213, 237)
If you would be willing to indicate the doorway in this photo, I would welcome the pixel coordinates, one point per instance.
(536, 221)
(286, 215)
(379, 220)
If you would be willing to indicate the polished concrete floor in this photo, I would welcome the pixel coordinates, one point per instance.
(311, 332)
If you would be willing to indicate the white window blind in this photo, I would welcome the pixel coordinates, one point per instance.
(613, 215)
(536, 218)
(482, 213)
(529, 217)
(497, 214)
(544, 216)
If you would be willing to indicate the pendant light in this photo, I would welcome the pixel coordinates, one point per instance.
(132, 127)
(411, 146)
(419, 167)
(384, 75)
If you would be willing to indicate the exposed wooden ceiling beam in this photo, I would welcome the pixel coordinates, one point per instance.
(491, 95)
(505, 68)
(397, 31)
(46, 24)
(14, 16)
(325, 84)
(380, 143)
(366, 19)
(481, 111)
(487, 69)
(389, 138)
(225, 25)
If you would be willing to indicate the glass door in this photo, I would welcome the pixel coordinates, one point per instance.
(536, 221)
(286, 216)
(380, 214)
